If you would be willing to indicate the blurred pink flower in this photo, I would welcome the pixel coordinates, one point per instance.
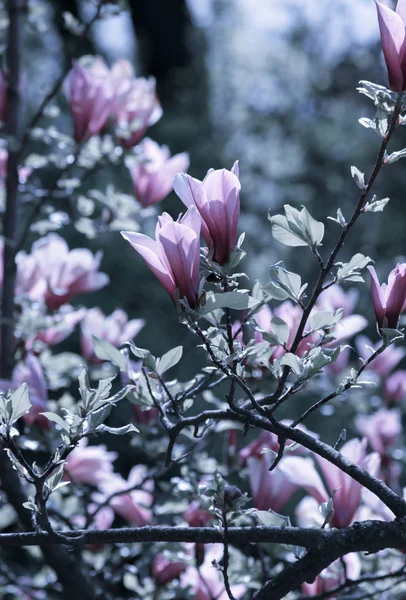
(334, 576)
(152, 171)
(54, 274)
(217, 199)
(392, 27)
(90, 464)
(269, 489)
(302, 472)
(89, 94)
(395, 387)
(385, 362)
(115, 329)
(389, 299)
(174, 255)
(164, 570)
(334, 298)
(144, 417)
(133, 506)
(381, 430)
(30, 372)
(59, 326)
(196, 516)
(136, 107)
(207, 583)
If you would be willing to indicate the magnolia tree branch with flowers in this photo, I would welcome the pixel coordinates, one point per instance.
(222, 461)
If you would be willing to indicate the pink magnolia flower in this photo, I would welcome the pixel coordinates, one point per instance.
(133, 506)
(207, 583)
(30, 372)
(302, 472)
(174, 255)
(395, 387)
(90, 464)
(196, 516)
(116, 329)
(217, 199)
(389, 299)
(3, 95)
(144, 417)
(381, 430)
(392, 25)
(164, 570)
(135, 110)
(385, 362)
(153, 170)
(334, 298)
(89, 94)
(269, 489)
(334, 576)
(56, 274)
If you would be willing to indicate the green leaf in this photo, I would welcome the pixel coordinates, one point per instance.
(269, 518)
(325, 319)
(376, 205)
(390, 335)
(144, 355)
(20, 403)
(56, 419)
(107, 351)
(280, 329)
(297, 228)
(118, 430)
(358, 177)
(340, 219)
(233, 300)
(351, 271)
(292, 361)
(290, 283)
(169, 360)
(395, 156)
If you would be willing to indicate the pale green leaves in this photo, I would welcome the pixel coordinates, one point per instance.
(285, 284)
(169, 360)
(375, 205)
(297, 228)
(233, 300)
(13, 405)
(358, 177)
(92, 412)
(351, 271)
(395, 156)
(107, 351)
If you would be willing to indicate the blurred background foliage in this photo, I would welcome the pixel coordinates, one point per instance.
(272, 84)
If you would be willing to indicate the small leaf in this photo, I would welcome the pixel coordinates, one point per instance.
(358, 177)
(280, 329)
(325, 319)
(340, 219)
(351, 271)
(107, 351)
(395, 156)
(169, 360)
(118, 430)
(233, 300)
(20, 403)
(376, 205)
(56, 419)
(292, 361)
